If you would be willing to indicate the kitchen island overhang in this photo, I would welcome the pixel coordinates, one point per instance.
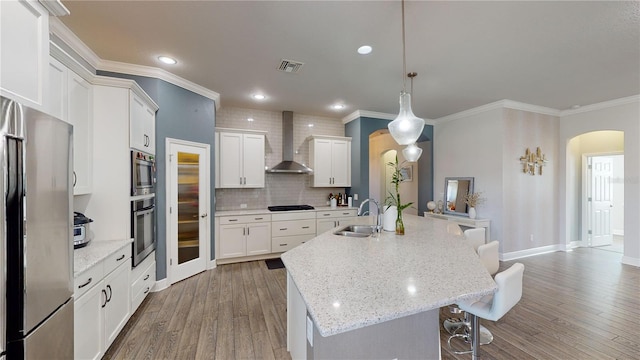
(348, 283)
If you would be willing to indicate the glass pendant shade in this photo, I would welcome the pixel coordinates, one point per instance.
(412, 153)
(406, 128)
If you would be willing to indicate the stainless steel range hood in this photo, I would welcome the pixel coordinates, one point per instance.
(288, 166)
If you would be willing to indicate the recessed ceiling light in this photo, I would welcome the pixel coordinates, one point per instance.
(310, 125)
(364, 49)
(250, 119)
(259, 96)
(337, 107)
(167, 60)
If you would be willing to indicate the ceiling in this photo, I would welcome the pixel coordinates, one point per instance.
(467, 54)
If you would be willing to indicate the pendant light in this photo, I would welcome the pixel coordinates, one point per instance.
(412, 152)
(406, 128)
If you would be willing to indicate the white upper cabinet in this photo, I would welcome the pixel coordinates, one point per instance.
(24, 59)
(70, 98)
(241, 158)
(142, 125)
(330, 158)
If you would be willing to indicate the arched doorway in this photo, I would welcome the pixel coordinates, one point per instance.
(595, 174)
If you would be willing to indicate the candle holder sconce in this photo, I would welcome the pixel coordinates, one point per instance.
(533, 161)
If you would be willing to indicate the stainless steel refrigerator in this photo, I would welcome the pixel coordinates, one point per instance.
(36, 227)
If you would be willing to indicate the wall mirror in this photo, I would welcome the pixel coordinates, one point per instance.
(455, 188)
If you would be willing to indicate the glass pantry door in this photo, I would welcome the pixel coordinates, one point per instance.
(189, 210)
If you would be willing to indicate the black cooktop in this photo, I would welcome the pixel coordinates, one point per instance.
(290, 207)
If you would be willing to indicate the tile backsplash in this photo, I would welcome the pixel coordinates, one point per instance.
(280, 189)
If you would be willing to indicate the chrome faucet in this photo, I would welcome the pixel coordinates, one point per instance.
(379, 217)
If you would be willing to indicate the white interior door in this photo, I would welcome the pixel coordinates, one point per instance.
(188, 227)
(601, 200)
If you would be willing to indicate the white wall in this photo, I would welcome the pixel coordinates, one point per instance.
(471, 146)
(624, 117)
(529, 201)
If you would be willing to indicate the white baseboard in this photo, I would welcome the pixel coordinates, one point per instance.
(618, 232)
(212, 264)
(531, 252)
(628, 260)
(161, 285)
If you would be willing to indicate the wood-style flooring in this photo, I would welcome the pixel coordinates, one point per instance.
(576, 305)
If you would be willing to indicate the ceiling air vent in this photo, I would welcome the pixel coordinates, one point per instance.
(290, 66)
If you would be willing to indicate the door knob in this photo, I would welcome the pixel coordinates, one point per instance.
(203, 216)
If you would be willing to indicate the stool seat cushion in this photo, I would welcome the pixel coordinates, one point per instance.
(506, 297)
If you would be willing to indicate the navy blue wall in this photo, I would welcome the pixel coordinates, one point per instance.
(182, 115)
(359, 131)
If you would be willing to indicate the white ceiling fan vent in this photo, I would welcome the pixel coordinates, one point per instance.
(290, 66)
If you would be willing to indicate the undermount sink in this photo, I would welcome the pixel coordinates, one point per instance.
(356, 230)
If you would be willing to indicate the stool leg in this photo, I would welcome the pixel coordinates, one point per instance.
(475, 337)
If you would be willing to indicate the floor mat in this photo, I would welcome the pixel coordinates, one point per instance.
(274, 264)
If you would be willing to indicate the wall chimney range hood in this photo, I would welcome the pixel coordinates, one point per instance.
(288, 166)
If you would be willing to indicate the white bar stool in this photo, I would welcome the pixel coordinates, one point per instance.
(492, 307)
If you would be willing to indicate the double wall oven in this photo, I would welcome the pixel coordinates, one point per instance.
(143, 217)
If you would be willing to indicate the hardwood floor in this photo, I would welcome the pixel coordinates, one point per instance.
(577, 305)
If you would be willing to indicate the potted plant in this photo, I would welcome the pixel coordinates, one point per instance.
(472, 199)
(394, 199)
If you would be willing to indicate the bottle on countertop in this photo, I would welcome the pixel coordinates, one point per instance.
(339, 199)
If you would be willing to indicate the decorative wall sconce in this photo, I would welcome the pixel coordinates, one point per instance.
(533, 161)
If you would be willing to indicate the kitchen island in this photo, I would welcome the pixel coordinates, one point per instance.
(378, 296)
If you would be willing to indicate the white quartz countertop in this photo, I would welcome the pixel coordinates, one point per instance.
(86, 257)
(348, 283)
(266, 211)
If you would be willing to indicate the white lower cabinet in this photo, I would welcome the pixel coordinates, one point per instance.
(329, 219)
(292, 229)
(246, 235)
(143, 277)
(102, 304)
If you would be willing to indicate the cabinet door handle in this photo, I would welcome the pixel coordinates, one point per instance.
(85, 284)
(283, 229)
(120, 258)
(326, 214)
(305, 227)
(258, 218)
(336, 223)
(283, 244)
(147, 290)
(230, 220)
(146, 277)
(104, 292)
(248, 229)
(240, 180)
(203, 215)
(110, 293)
(75, 179)
(345, 213)
(244, 231)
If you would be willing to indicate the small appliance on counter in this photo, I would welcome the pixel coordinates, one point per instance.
(81, 230)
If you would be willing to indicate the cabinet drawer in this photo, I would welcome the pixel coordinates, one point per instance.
(285, 243)
(293, 215)
(329, 214)
(289, 228)
(244, 219)
(146, 280)
(116, 259)
(87, 280)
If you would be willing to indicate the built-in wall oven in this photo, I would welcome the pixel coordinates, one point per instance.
(143, 173)
(143, 229)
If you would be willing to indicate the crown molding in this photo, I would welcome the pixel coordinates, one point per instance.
(57, 53)
(376, 115)
(60, 30)
(125, 84)
(154, 72)
(515, 105)
(68, 37)
(602, 105)
(501, 104)
(55, 7)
